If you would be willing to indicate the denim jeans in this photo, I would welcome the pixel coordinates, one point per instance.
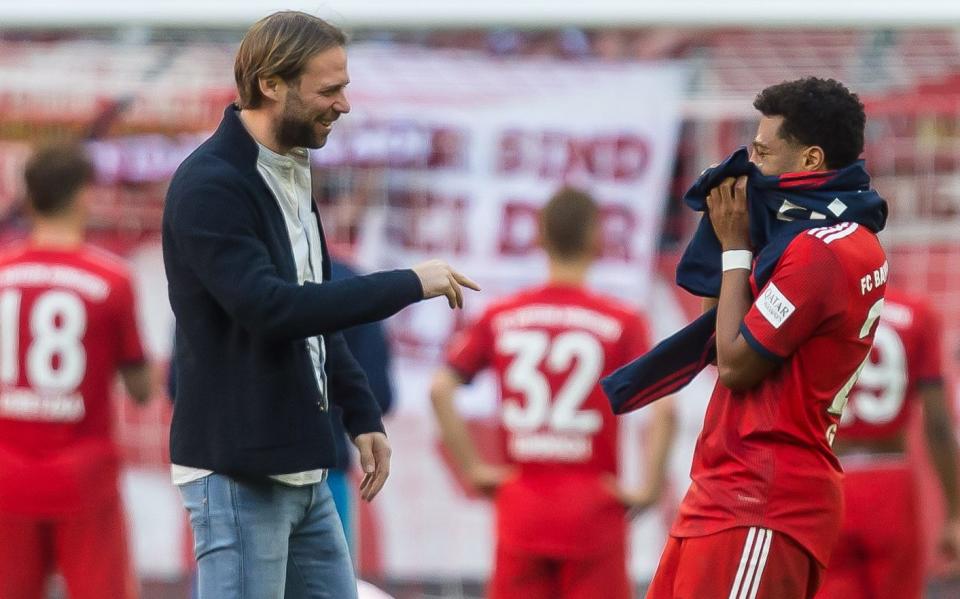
(260, 539)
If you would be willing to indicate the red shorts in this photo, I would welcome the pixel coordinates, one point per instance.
(739, 563)
(879, 553)
(89, 549)
(520, 574)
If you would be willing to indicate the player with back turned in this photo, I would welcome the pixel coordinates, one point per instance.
(763, 511)
(67, 326)
(561, 525)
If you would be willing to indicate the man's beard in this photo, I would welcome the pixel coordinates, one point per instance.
(295, 128)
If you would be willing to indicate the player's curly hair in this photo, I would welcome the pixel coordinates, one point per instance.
(818, 112)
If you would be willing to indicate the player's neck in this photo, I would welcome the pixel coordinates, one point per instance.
(569, 273)
(56, 233)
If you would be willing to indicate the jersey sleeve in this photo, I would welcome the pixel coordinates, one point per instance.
(129, 346)
(471, 349)
(927, 367)
(805, 290)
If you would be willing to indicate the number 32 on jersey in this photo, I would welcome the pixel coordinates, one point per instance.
(548, 423)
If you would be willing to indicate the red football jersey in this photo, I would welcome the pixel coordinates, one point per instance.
(905, 354)
(67, 322)
(764, 456)
(549, 347)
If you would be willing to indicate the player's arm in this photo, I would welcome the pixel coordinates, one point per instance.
(740, 367)
(132, 364)
(938, 423)
(942, 447)
(659, 439)
(942, 444)
(663, 431)
(138, 381)
(484, 478)
(659, 431)
(925, 371)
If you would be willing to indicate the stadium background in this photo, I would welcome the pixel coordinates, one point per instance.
(465, 118)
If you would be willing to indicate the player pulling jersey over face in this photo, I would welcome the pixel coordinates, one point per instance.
(561, 518)
(764, 457)
(67, 326)
(762, 513)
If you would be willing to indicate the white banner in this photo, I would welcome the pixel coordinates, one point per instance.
(473, 147)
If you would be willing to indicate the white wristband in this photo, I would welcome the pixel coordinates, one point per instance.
(737, 259)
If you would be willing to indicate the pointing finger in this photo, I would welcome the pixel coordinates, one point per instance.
(465, 280)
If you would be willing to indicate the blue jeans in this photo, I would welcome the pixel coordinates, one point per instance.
(265, 540)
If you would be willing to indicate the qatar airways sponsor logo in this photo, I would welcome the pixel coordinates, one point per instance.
(544, 315)
(27, 404)
(33, 274)
(551, 446)
(774, 306)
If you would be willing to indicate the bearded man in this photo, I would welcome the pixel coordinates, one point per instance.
(259, 354)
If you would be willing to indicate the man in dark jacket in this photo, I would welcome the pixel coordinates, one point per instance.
(259, 354)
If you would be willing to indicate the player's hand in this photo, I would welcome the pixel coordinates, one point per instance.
(727, 206)
(375, 461)
(486, 479)
(439, 278)
(950, 540)
(636, 501)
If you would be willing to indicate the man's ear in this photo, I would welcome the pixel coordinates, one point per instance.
(270, 87)
(814, 159)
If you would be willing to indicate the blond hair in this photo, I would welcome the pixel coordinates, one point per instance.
(280, 45)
